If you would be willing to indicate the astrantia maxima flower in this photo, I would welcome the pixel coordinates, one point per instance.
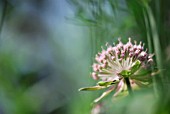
(121, 67)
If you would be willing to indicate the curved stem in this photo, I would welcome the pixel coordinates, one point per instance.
(128, 85)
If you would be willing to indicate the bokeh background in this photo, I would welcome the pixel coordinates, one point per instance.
(47, 48)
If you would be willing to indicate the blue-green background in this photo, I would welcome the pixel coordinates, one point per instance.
(47, 48)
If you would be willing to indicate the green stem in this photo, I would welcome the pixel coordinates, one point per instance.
(157, 47)
(3, 15)
(128, 86)
(149, 39)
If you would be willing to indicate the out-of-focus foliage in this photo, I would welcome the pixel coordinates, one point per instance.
(43, 57)
(107, 19)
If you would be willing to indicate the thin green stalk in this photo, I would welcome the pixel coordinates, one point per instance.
(3, 16)
(158, 13)
(149, 40)
(128, 86)
(156, 41)
(156, 45)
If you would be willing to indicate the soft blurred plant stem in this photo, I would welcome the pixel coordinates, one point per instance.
(156, 44)
(156, 41)
(3, 15)
(149, 40)
(128, 86)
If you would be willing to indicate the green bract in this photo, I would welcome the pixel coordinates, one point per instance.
(126, 73)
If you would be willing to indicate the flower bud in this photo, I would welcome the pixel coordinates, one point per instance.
(94, 76)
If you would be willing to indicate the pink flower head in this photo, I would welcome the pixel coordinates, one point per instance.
(117, 62)
(112, 61)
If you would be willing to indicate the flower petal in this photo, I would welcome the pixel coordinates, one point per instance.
(120, 87)
(104, 94)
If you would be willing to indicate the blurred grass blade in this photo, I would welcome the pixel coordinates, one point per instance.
(155, 35)
(149, 40)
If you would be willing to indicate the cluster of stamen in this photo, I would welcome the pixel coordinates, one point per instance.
(114, 59)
